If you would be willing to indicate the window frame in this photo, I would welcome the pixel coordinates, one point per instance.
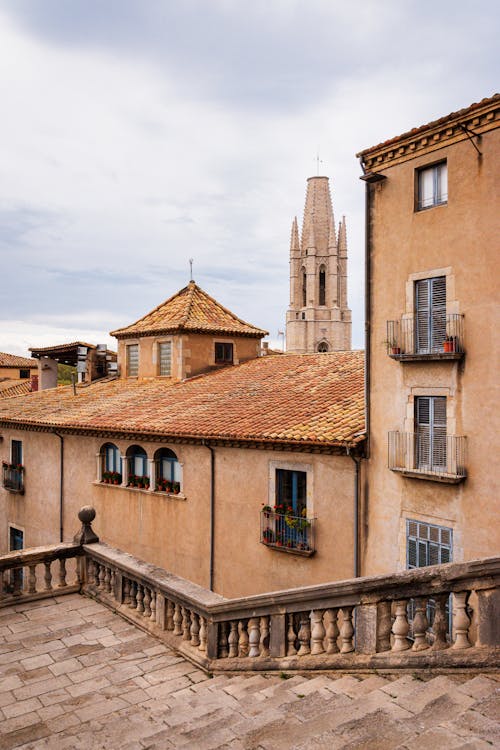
(161, 344)
(226, 347)
(128, 348)
(432, 312)
(435, 447)
(24, 373)
(428, 543)
(434, 168)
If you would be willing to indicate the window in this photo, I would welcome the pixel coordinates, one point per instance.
(430, 419)
(286, 527)
(111, 464)
(137, 465)
(322, 286)
(16, 543)
(23, 374)
(322, 347)
(430, 314)
(168, 471)
(13, 472)
(304, 287)
(432, 185)
(165, 358)
(133, 360)
(427, 544)
(223, 353)
(16, 452)
(291, 490)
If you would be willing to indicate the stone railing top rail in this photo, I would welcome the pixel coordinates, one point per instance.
(35, 555)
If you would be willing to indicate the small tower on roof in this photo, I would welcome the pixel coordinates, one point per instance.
(318, 319)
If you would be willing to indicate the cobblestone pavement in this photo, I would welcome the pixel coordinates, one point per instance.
(75, 675)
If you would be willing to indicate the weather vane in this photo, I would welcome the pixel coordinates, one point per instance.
(191, 268)
(318, 162)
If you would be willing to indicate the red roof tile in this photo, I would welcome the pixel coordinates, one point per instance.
(13, 360)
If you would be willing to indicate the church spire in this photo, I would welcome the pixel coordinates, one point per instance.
(294, 240)
(318, 215)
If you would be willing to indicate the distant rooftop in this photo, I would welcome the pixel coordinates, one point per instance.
(14, 360)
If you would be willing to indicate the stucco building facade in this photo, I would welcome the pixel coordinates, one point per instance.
(432, 366)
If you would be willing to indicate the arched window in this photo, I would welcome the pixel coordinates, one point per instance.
(322, 347)
(322, 287)
(111, 464)
(168, 471)
(137, 465)
(304, 287)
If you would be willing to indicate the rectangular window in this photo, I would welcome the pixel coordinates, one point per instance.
(430, 420)
(23, 374)
(133, 360)
(223, 354)
(291, 490)
(432, 186)
(427, 544)
(16, 452)
(430, 314)
(165, 358)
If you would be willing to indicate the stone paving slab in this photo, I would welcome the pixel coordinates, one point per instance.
(75, 675)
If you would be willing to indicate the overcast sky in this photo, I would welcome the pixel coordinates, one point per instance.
(136, 134)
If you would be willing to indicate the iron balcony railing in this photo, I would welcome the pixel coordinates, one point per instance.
(286, 532)
(428, 455)
(444, 339)
(13, 477)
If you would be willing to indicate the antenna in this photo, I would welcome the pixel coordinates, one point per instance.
(318, 162)
(191, 269)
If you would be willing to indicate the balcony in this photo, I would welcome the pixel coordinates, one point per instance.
(13, 477)
(406, 344)
(439, 458)
(287, 533)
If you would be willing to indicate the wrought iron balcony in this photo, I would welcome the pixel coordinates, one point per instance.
(13, 477)
(423, 456)
(287, 533)
(407, 342)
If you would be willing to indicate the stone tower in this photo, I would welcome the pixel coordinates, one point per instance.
(318, 319)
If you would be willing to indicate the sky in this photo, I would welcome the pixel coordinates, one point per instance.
(137, 134)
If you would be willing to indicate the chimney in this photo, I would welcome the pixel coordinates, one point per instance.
(34, 383)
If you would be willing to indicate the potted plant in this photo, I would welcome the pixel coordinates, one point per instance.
(176, 487)
(266, 510)
(268, 536)
(449, 344)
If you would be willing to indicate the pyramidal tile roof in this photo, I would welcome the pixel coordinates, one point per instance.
(296, 399)
(191, 310)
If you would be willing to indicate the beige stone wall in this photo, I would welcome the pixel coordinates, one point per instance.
(458, 240)
(191, 354)
(173, 532)
(13, 372)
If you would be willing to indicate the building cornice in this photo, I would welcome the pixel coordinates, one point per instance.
(458, 126)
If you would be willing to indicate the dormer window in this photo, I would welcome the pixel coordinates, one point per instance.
(132, 360)
(165, 358)
(223, 353)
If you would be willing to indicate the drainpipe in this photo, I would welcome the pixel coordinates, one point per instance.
(212, 512)
(357, 460)
(61, 486)
(368, 320)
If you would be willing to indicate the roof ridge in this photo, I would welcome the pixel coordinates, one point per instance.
(169, 299)
(192, 287)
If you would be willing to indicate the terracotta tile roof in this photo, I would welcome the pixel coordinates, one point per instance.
(16, 389)
(435, 123)
(13, 360)
(293, 399)
(193, 310)
(61, 348)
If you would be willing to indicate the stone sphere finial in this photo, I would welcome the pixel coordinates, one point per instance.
(86, 514)
(86, 534)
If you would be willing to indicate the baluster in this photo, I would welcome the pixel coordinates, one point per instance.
(332, 632)
(203, 635)
(62, 573)
(133, 595)
(18, 581)
(384, 626)
(318, 632)
(107, 580)
(400, 627)
(153, 606)
(186, 624)
(243, 642)
(253, 636)
(112, 583)
(223, 652)
(31, 580)
(177, 620)
(2, 584)
(140, 598)
(290, 637)
(461, 620)
(126, 591)
(233, 639)
(147, 602)
(304, 634)
(346, 630)
(91, 572)
(195, 630)
(102, 575)
(48, 577)
(420, 625)
(440, 623)
(264, 636)
(169, 620)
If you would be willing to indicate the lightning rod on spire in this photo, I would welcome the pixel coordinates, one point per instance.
(191, 269)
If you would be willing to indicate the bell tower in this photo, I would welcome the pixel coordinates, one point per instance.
(318, 319)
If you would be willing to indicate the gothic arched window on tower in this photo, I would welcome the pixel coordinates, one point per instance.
(304, 288)
(322, 347)
(322, 288)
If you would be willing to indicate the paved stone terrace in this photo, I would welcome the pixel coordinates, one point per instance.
(75, 675)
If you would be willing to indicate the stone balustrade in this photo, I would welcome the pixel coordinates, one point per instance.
(442, 616)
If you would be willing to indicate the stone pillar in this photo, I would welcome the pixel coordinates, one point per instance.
(47, 373)
(488, 617)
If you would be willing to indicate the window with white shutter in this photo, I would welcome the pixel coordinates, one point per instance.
(432, 186)
(430, 419)
(133, 360)
(430, 315)
(165, 358)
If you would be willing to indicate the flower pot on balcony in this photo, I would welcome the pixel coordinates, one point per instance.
(396, 350)
(449, 345)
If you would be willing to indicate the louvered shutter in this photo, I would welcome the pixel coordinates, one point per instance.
(422, 315)
(438, 437)
(423, 432)
(438, 313)
(412, 553)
